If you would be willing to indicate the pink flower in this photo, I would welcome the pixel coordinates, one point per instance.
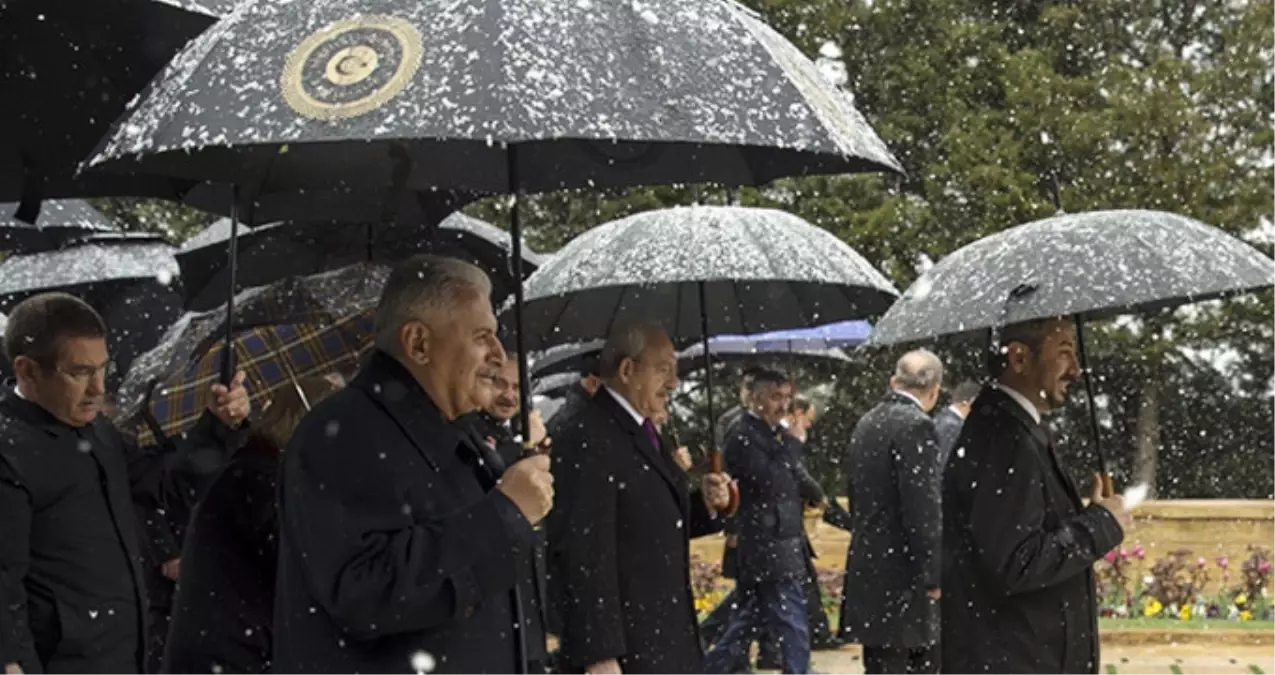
(1264, 566)
(1223, 561)
(1110, 557)
(1124, 554)
(1138, 552)
(1201, 562)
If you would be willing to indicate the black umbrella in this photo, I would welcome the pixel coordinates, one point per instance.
(504, 96)
(576, 358)
(71, 67)
(701, 271)
(61, 222)
(1086, 265)
(273, 252)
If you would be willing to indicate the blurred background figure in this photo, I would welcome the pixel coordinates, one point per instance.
(224, 610)
(949, 420)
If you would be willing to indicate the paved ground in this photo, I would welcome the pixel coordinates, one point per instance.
(1179, 658)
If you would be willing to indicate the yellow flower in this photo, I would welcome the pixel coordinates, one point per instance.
(1246, 615)
(1185, 613)
(1241, 599)
(1152, 607)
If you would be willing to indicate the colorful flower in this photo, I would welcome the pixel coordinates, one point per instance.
(1185, 613)
(1201, 562)
(1111, 556)
(1152, 607)
(1246, 615)
(1241, 600)
(1223, 561)
(1139, 552)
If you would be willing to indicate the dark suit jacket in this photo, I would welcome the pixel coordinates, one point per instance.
(947, 424)
(393, 540)
(767, 464)
(619, 539)
(894, 553)
(1018, 551)
(69, 543)
(577, 400)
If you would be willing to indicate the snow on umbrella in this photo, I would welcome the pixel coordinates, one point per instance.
(603, 93)
(286, 331)
(1086, 265)
(71, 67)
(60, 222)
(273, 252)
(742, 270)
(569, 358)
(745, 347)
(830, 336)
(97, 260)
(1097, 264)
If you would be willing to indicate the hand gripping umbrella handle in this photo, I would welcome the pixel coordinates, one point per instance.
(715, 466)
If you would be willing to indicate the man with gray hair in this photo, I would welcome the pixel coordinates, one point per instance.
(619, 537)
(892, 579)
(402, 535)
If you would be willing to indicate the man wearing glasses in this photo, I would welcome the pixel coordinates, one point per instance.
(69, 551)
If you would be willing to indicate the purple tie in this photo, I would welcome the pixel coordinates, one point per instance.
(651, 434)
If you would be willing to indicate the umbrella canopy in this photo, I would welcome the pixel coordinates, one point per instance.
(291, 329)
(756, 270)
(96, 261)
(364, 94)
(570, 358)
(273, 252)
(61, 221)
(1089, 265)
(553, 386)
(830, 336)
(71, 67)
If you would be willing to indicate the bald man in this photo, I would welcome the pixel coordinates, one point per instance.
(892, 576)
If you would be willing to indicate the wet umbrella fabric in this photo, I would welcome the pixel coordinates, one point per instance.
(591, 94)
(93, 263)
(283, 332)
(1094, 265)
(61, 222)
(758, 270)
(71, 67)
(830, 336)
(273, 252)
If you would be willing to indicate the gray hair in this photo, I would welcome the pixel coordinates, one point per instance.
(918, 370)
(625, 342)
(424, 288)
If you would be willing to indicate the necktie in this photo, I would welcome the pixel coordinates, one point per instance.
(652, 434)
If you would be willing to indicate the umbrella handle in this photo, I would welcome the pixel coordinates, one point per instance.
(715, 466)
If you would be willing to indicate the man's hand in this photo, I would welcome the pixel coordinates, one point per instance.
(172, 568)
(611, 667)
(716, 490)
(12, 669)
(934, 593)
(537, 426)
(683, 458)
(529, 485)
(1113, 503)
(231, 404)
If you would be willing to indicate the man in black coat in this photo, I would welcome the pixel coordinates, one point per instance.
(764, 458)
(401, 541)
(948, 421)
(1018, 543)
(892, 571)
(619, 536)
(69, 543)
(577, 400)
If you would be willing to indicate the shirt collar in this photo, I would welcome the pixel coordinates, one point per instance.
(955, 411)
(916, 400)
(18, 392)
(1022, 400)
(624, 403)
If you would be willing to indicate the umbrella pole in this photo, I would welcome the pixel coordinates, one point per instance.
(232, 267)
(1107, 486)
(708, 361)
(524, 379)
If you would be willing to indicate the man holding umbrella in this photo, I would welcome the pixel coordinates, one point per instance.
(1019, 545)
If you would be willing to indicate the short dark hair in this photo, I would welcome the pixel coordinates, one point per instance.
(966, 391)
(800, 404)
(39, 323)
(1029, 333)
(766, 376)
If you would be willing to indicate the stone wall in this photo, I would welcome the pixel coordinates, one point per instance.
(1208, 528)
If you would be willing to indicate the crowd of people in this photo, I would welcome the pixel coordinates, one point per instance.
(397, 520)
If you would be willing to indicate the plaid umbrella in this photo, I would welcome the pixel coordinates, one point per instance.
(294, 328)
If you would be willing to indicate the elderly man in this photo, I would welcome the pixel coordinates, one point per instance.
(619, 536)
(401, 541)
(69, 544)
(1018, 543)
(892, 575)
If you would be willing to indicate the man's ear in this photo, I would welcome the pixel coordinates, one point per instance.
(415, 342)
(625, 372)
(25, 368)
(1017, 357)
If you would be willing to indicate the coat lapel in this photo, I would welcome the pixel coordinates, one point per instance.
(1043, 443)
(659, 458)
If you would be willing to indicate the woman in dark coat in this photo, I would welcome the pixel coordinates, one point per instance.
(223, 614)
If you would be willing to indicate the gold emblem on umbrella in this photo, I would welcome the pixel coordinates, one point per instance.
(352, 67)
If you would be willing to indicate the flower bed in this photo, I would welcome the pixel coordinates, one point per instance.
(1173, 587)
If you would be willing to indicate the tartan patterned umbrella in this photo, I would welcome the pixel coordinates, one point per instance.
(285, 331)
